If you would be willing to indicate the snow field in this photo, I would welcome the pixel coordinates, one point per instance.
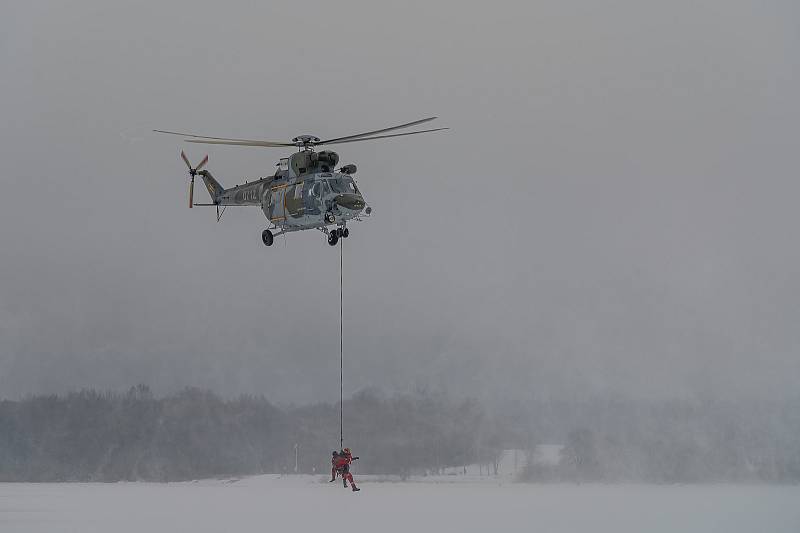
(305, 503)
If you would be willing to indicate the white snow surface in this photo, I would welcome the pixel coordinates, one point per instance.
(306, 503)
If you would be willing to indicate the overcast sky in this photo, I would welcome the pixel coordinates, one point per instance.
(613, 210)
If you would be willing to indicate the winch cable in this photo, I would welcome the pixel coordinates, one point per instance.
(341, 346)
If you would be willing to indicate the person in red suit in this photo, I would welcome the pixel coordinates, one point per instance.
(341, 462)
(334, 461)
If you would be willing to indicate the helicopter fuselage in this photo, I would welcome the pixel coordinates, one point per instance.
(311, 200)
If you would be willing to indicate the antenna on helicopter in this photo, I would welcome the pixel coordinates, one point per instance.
(192, 174)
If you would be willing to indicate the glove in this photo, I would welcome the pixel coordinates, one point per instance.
(355, 458)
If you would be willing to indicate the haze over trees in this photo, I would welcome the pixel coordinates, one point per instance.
(105, 436)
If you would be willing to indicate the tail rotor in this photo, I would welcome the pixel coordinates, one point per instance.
(192, 174)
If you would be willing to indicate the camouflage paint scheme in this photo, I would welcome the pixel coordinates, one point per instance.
(303, 190)
(306, 191)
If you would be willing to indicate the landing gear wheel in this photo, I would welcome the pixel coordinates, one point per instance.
(333, 238)
(329, 218)
(267, 237)
(346, 233)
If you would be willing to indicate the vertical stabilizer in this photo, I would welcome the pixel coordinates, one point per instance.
(213, 186)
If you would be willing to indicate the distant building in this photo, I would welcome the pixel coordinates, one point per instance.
(514, 463)
(546, 455)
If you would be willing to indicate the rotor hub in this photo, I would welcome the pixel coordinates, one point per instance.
(305, 139)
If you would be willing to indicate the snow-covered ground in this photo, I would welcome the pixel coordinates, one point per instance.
(304, 503)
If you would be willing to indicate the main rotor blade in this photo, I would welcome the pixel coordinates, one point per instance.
(384, 130)
(264, 143)
(186, 160)
(382, 136)
(202, 163)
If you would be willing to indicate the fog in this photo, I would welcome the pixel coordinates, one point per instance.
(613, 210)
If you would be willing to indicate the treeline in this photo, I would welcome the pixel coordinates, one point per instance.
(103, 436)
(677, 441)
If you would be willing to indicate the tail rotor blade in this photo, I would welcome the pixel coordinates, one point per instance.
(202, 163)
(191, 192)
(186, 160)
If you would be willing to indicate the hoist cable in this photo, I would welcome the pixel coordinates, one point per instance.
(341, 346)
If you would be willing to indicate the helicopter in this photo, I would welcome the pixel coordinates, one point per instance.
(306, 191)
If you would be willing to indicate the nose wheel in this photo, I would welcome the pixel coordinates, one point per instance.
(267, 237)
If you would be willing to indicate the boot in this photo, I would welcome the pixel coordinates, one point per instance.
(355, 489)
(332, 480)
(344, 482)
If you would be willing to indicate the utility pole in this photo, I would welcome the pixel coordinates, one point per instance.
(296, 446)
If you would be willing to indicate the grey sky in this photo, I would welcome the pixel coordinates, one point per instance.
(614, 208)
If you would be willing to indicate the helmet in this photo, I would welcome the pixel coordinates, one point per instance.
(335, 453)
(346, 450)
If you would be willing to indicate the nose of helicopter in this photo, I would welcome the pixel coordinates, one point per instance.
(351, 201)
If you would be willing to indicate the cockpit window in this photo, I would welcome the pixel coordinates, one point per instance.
(343, 186)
